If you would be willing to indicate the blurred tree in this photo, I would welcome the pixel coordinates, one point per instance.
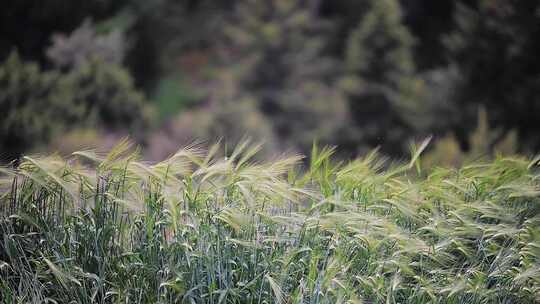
(495, 46)
(101, 95)
(83, 44)
(156, 29)
(382, 81)
(276, 50)
(38, 105)
(28, 24)
(27, 117)
(429, 21)
(161, 31)
(345, 15)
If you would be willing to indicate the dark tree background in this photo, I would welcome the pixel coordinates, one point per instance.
(357, 73)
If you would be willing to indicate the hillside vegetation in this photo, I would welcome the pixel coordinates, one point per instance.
(203, 228)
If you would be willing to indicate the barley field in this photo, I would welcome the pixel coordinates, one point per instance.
(199, 227)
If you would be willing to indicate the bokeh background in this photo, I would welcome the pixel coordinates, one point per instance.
(358, 74)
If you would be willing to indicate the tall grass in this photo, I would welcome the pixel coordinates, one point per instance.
(203, 228)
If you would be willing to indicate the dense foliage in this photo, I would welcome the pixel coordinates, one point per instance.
(381, 82)
(37, 105)
(356, 73)
(202, 228)
(23, 89)
(278, 49)
(494, 46)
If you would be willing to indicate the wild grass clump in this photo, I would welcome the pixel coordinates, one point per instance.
(202, 228)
